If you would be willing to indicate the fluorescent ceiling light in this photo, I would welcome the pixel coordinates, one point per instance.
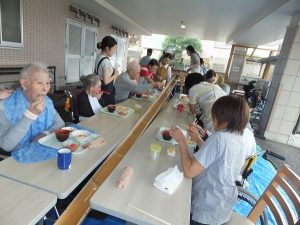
(182, 26)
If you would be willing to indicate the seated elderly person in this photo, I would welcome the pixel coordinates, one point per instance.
(129, 82)
(28, 112)
(204, 95)
(89, 100)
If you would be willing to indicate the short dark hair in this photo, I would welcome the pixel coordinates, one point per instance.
(201, 61)
(153, 62)
(149, 51)
(210, 74)
(191, 80)
(190, 48)
(167, 55)
(233, 110)
(107, 41)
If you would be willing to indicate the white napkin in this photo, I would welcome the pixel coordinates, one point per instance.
(169, 180)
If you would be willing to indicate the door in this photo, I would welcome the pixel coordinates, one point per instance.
(80, 51)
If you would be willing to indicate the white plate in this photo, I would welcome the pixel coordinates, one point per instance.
(172, 141)
(160, 137)
(83, 136)
(69, 128)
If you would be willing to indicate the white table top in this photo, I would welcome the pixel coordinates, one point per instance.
(46, 175)
(140, 193)
(21, 204)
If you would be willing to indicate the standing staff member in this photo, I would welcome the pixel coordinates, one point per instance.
(195, 59)
(104, 69)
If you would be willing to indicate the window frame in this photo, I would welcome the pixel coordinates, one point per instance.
(9, 43)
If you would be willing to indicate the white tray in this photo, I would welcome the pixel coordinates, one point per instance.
(51, 141)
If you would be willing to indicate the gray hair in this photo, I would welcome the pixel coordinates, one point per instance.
(89, 81)
(133, 65)
(32, 68)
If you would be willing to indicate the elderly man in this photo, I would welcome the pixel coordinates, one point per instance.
(129, 82)
(28, 112)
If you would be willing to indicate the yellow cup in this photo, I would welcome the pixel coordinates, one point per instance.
(137, 108)
(155, 150)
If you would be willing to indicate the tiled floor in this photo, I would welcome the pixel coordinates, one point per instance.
(291, 154)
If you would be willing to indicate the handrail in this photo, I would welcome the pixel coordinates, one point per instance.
(79, 207)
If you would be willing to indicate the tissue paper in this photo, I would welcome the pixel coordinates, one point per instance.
(169, 180)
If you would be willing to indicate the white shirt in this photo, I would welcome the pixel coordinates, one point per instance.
(214, 191)
(205, 94)
(95, 104)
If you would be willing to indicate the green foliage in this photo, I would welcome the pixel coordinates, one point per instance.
(178, 44)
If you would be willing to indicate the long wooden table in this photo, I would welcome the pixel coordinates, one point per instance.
(141, 194)
(21, 204)
(46, 176)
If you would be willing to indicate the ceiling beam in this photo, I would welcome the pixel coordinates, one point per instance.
(257, 19)
(116, 11)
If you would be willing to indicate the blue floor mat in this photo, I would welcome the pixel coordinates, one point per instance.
(109, 220)
(263, 173)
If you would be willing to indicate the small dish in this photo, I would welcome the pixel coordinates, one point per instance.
(71, 129)
(72, 144)
(81, 135)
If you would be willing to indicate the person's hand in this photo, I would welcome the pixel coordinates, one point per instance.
(5, 93)
(157, 84)
(195, 136)
(199, 129)
(97, 94)
(38, 106)
(177, 134)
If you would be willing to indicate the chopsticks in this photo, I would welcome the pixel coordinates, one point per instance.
(196, 120)
(148, 214)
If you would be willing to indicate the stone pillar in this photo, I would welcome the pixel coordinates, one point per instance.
(283, 103)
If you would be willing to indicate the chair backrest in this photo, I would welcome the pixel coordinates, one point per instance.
(282, 198)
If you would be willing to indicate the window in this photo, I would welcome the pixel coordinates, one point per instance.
(11, 28)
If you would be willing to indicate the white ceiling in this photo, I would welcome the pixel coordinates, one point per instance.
(252, 22)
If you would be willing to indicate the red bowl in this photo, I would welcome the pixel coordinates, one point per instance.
(138, 95)
(166, 135)
(62, 135)
(111, 108)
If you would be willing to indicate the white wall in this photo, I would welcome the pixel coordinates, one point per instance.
(286, 108)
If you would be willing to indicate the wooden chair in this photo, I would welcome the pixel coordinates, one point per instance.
(285, 184)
